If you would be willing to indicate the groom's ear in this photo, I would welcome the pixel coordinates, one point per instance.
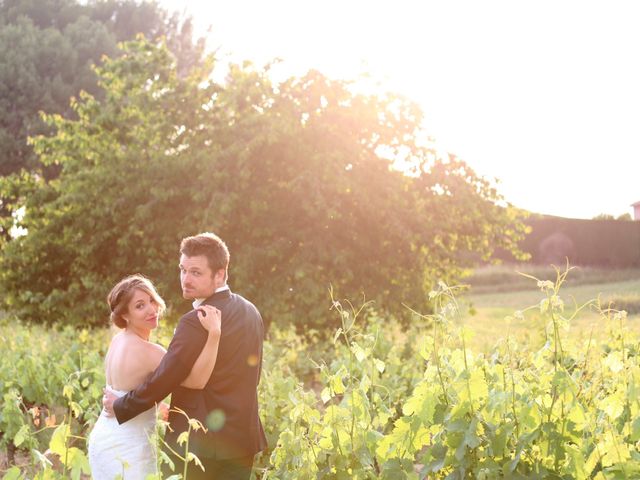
(221, 275)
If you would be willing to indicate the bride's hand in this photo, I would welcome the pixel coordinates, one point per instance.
(210, 318)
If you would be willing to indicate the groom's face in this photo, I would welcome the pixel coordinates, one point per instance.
(196, 277)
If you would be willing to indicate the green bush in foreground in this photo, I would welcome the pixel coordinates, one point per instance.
(383, 402)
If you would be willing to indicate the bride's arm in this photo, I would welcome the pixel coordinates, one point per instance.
(201, 371)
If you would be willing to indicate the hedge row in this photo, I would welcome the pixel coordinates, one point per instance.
(604, 243)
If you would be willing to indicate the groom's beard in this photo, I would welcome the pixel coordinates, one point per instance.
(188, 293)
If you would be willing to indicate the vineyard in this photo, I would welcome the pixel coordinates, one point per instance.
(378, 399)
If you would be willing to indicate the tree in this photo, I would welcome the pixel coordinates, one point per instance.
(297, 177)
(625, 217)
(49, 47)
(41, 69)
(604, 216)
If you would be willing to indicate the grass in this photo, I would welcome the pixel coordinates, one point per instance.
(505, 278)
(489, 307)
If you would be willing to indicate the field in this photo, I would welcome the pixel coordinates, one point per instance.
(497, 292)
(532, 395)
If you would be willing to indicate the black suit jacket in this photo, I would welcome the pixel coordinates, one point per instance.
(228, 404)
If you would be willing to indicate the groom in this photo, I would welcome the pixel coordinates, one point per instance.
(228, 404)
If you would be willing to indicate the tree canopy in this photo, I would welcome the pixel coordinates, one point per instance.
(298, 177)
(48, 49)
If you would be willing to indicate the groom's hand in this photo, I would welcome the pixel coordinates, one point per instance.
(107, 402)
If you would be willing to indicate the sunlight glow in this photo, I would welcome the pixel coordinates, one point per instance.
(542, 96)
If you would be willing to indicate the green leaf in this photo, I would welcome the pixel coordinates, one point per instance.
(13, 474)
(577, 464)
(326, 442)
(164, 458)
(499, 440)
(365, 383)
(191, 457)
(58, 443)
(67, 392)
(613, 361)
(326, 395)
(577, 416)
(76, 409)
(635, 430)
(22, 434)
(478, 385)
(77, 461)
(358, 351)
(613, 406)
(337, 387)
(471, 438)
(182, 438)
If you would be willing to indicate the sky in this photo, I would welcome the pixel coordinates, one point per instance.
(543, 96)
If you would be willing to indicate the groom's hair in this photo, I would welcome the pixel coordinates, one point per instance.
(211, 246)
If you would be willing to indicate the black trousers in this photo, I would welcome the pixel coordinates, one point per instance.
(228, 469)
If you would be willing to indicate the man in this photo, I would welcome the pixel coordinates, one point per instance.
(228, 404)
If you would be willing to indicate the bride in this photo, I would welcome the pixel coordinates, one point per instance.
(126, 449)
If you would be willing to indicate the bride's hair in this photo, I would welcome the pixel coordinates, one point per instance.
(120, 295)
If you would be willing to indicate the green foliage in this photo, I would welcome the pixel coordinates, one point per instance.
(383, 401)
(49, 48)
(564, 411)
(113, 191)
(41, 69)
(296, 177)
(51, 384)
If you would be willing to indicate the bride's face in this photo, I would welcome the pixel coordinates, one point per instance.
(142, 312)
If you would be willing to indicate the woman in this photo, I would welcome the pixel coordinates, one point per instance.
(126, 449)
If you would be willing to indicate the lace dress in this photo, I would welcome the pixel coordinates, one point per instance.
(126, 450)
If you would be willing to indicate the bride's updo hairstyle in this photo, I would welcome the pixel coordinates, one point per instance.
(120, 295)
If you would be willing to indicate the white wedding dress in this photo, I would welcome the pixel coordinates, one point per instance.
(126, 450)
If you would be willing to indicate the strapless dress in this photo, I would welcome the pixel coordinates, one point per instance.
(127, 450)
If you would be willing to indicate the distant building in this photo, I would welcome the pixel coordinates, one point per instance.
(636, 211)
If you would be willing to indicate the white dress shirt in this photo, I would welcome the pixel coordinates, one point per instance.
(198, 301)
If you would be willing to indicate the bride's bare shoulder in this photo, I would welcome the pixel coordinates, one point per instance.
(155, 348)
(117, 340)
(134, 345)
(153, 354)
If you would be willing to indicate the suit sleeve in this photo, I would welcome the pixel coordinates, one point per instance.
(187, 343)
